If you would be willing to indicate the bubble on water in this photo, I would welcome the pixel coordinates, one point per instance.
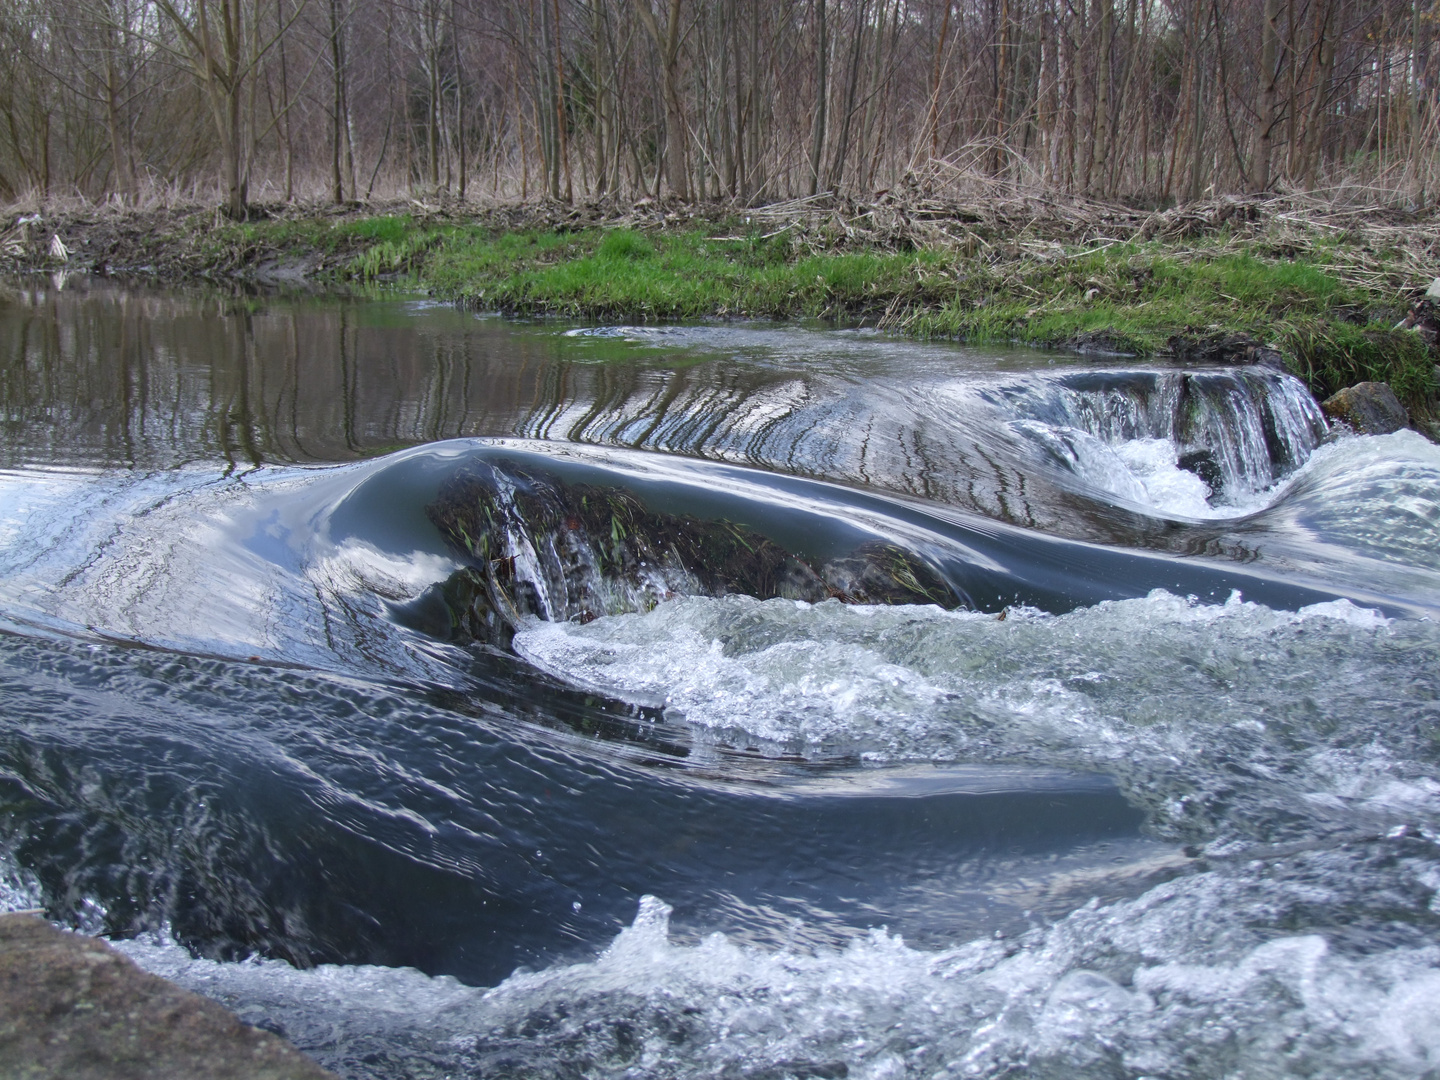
(1345, 611)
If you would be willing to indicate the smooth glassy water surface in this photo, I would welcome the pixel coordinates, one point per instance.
(465, 698)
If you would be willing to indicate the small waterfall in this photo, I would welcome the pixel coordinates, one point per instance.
(1237, 431)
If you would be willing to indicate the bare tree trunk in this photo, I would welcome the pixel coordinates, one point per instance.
(337, 184)
(1145, 112)
(1114, 157)
(750, 99)
(561, 119)
(520, 125)
(285, 102)
(1416, 89)
(1002, 85)
(933, 124)
(1197, 132)
(222, 65)
(1380, 99)
(667, 43)
(459, 100)
(1315, 121)
(349, 129)
(432, 64)
(1269, 44)
(870, 136)
(1071, 111)
(119, 151)
(1100, 112)
(848, 102)
(822, 94)
(1187, 76)
(602, 66)
(754, 102)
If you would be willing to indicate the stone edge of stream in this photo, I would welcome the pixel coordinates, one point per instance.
(74, 1008)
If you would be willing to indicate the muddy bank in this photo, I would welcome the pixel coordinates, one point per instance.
(180, 243)
(170, 245)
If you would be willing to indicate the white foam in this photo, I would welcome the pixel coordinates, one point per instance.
(1315, 716)
(1169, 984)
(1345, 611)
(1124, 441)
(1167, 486)
(19, 890)
(1110, 687)
(811, 689)
(1144, 474)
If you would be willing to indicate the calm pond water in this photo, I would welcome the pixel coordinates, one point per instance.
(465, 698)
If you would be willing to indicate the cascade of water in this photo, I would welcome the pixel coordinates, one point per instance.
(1239, 431)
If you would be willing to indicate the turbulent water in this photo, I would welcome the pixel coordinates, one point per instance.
(1153, 791)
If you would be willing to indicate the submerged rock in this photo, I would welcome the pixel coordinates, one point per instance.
(1371, 408)
(538, 546)
(72, 1008)
(1205, 465)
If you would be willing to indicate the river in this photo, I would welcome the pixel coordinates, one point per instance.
(1073, 716)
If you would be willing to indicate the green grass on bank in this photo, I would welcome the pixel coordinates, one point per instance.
(1143, 298)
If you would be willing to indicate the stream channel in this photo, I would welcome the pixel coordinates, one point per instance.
(1032, 714)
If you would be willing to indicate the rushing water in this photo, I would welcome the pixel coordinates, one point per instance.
(1150, 790)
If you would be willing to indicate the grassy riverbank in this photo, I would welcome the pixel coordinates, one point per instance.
(1226, 281)
(1142, 298)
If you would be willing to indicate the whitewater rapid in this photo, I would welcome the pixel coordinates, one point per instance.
(1155, 794)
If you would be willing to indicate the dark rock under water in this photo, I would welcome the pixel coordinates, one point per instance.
(540, 546)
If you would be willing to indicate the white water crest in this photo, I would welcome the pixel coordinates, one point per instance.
(1362, 512)
(1112, 687)
(963, 426)
(1373, 496)
(1193, 445)
(1187, 980)
(1198, 977)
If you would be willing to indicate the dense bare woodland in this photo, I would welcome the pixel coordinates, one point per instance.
(752, 100)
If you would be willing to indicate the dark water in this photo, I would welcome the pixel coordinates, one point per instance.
(1158, 797)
